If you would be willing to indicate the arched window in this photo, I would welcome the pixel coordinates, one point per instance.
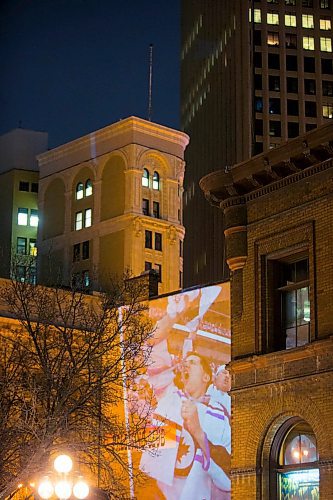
(295, 464)
(145, 178)
(89, 188)
(156, 181)
(79, 191)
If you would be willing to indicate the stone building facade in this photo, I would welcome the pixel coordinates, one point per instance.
(278, 210)
(111, 201)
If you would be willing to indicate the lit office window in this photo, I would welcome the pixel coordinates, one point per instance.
(325, 23)
(33, 218)
(308, 43)
(325, 44)
(307, 21)
(32, 247)
(145, 178)
(257, 15)
(273, 38)
(328, 111)
(79, 191)
(290, 20)
(22, 216)
(272, 18)
(156, 181)
(78, 221)
(89, 187)
(87, 217)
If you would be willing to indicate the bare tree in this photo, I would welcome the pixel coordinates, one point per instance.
(67, 362)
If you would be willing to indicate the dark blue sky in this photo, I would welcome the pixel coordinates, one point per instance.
(73, 66)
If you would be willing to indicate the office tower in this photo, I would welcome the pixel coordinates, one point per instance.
(19, 201)
(111, 201)
(253, 74)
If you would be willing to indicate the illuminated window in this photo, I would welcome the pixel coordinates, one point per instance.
(156, 181)
(307, 21)
(308, 43)
(257, 15)
(33, 218)
(290, 20)
(87, 217)
(79, 191)
(89, 187)
(158, 241)
(22, 216)
(325, 23)
(325, 4)
(145, 178)
(148, 239)
(21, 246)
(33, 247)
(273, 38)
(328, 111)
(85, 279)
(78, 221)
(272, 18)
(325, 44)
(294, 458)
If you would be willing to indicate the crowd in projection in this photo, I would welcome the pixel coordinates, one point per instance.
(187, 385)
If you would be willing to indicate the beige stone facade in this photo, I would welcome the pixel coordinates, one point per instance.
(278, 209)
(112, 201)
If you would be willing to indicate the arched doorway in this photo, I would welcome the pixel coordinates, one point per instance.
(294, 471)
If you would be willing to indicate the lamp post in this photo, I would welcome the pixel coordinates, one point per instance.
(62, 483)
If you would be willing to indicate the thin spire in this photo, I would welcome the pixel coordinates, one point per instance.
(150, 83)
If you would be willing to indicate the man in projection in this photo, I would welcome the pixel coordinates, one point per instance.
(220, 388)
(195, 460)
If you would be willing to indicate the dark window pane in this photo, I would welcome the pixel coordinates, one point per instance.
(21, 247)
(158, 241)
(274, 83)
(34, 187)
(292, 107)
(258, 104)
(327, 88)
(291, 63)
(273, 61)
(292, 85)
(257, 37)
(258, 148)
(307, 3)
(310, 126)
(327, 66)
(148, 239)
(145, 206)
(258, 127)
(85, 250)
(275, 128)
(24, 186)
(257, 60)
(293, 129)
(310, 109)
(291, 41)
(156, 209)
(258, 82)
(309, 64)
(76, 252)
(310, 86)
(274, 106)
(148, 266)
(325, 4)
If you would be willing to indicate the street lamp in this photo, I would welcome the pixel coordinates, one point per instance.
(62, 484)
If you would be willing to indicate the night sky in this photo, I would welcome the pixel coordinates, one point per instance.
(69, 67)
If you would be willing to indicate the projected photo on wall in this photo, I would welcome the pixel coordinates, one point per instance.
(187, 386)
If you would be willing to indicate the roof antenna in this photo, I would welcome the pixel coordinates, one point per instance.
(150, 82)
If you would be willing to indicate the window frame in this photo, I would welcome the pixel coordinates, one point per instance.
(78, 223)
(79, 191)
(20, 246)
(156, 181)
(33, 217)
(145, 178)
(148, 239)
(22, 216)
(88, 188)
(88, 217)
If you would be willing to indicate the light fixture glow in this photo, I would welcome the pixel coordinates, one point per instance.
(81, 489)
(63, 489)
(45, 489)
(63, 464)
